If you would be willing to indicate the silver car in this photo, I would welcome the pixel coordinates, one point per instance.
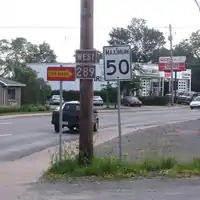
(97, 101)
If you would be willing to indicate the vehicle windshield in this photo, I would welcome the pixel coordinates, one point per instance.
(197, 99)
(72, 107)
(132, 98)
(97, 98)
(56, 97)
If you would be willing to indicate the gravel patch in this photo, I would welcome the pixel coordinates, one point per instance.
(181, 140)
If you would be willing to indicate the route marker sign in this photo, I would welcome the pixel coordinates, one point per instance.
(117, 62)
(61, 73)
(86, 71)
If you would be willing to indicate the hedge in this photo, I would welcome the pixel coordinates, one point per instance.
(75, 95)
(24, 108)
(154, 100)
(112, 97)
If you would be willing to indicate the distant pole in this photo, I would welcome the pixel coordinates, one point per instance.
(171, 63)
(86, 86)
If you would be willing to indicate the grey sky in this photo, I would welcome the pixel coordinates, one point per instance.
(182, 14)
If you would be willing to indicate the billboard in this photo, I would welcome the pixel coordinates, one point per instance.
(178, 63)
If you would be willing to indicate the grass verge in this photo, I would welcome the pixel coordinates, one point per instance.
(25, 113)
(112, 168)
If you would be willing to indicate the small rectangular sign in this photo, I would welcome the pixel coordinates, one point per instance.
(61, 74)
(85, 71)
(178, 63)
(86, 56)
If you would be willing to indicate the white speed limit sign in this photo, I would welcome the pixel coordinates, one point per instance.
(117, 63)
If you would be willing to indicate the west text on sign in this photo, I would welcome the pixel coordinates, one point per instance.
(117, 63)
(86, 56)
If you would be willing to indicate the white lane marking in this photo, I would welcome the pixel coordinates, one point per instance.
(5, 135)
(6, 123)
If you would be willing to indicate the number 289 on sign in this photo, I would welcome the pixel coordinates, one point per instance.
(85, 72)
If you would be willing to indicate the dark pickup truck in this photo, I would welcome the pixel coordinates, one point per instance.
(71, 111)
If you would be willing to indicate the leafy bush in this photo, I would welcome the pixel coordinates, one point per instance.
(154, 100)
(24, 108)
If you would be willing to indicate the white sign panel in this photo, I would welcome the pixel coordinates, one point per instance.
(117, 63)
(175, 59)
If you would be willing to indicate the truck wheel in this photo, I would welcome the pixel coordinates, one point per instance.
(96, 126)
(56, 128)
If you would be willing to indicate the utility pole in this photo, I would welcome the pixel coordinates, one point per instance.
(86, 86)
(171, 63)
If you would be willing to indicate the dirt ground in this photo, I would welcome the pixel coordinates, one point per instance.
(181, 140)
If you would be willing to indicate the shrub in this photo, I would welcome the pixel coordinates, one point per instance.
(154, 100)
(75, 95)
(9, 109)
(24, 108)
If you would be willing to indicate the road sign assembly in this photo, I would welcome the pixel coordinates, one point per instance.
(61, 73)
(118, 67)
(85, 63)
(117, 63)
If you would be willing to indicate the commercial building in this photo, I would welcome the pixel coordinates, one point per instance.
(153, 81)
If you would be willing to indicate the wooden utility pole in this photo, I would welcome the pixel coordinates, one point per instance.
(171, 64)
(86, 86)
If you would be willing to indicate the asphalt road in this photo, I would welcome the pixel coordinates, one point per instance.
(23, 136)
(153, 189)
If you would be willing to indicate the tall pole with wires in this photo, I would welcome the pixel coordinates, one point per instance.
(171, 64)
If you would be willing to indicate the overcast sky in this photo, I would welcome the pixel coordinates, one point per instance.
(182, 14)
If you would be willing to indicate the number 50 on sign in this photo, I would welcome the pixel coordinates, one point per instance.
(117, 63)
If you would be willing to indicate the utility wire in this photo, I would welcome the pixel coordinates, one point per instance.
(198, 4)
(78, 27)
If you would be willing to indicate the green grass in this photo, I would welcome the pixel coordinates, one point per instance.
(112, 168)
(24, 113)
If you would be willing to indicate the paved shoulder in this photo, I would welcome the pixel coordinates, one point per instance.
(155, 189)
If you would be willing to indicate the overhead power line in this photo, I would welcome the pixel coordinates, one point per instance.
(198, 4)
(96, 27)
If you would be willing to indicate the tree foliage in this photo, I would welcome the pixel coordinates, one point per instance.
(15, 55)
(143, 40)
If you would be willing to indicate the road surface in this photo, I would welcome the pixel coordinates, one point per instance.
(23, 136)
(153, 189)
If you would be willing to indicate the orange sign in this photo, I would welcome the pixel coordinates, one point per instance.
(61, 74)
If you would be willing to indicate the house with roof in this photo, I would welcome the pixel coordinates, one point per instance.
(10, 92)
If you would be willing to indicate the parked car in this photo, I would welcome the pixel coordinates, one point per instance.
(97, 101)
(186, 97)
(195, 103)
(169, 96)
(71, 113)
(131, 101)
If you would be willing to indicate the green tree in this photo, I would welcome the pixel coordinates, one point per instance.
(143, 40)
(15, 55)
(147, 45)
(191, 49)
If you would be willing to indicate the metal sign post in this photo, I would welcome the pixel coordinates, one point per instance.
(61, 73)
(118, 67)
(119, 119)
(60, 122)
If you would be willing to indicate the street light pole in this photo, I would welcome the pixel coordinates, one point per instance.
(86, 86)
